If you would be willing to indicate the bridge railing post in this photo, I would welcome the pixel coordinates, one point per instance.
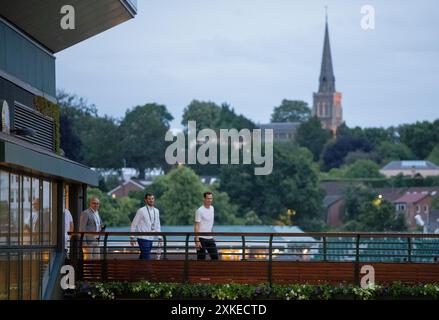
(325, 249)
(409, 249)
(270, 260)
(186, 260)
(104, 271)
(357, 261)
(81, 257)
(165, 248)
(243, 249)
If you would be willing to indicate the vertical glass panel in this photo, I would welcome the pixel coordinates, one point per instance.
(4, 276)
(54, 214)
(46, 212)
(35, 211)
(27, 205)
(35, 284)
(15, 201)
(66, 197)
(14, 272)
(45, 269)
(4, 208)
(26, 284)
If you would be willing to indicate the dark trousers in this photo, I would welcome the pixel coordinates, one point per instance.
(208, 245)
(145, 249)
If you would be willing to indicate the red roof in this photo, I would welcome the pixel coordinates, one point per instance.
(411, 197)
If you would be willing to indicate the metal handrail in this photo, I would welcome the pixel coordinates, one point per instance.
(356, 248)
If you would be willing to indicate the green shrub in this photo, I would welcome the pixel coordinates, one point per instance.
(148, 290)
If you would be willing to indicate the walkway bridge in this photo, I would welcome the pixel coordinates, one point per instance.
(254, 258)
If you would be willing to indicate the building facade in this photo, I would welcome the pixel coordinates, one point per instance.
(412, 169)
(327, 102)
(36, 182)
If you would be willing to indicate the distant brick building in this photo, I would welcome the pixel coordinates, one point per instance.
(125, 188)
(408, 201)
(412, 204)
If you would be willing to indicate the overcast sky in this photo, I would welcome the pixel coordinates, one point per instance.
(254, 53)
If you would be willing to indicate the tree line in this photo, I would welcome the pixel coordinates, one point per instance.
(291, 195)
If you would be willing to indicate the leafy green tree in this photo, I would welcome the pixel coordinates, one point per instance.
(73, 112)
(354, 156)
(109, 183)
(252, 219)
(142, 134)
(206, 114)
(378, 218)
(434, 155)
(86, 137)
(293, 185)
(225, 210)
(209, 115)
(101, 147)
(311, 135)
(354, 196)
(376, 136)
(363, 169)
(180, 193)
(228, 119)
(335, 152)
(421, 137)
(114, 212)
(365, 211)
(291, 111)
(388, 151)
(70, 141)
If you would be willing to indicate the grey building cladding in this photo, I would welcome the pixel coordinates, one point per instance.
(37, 184)
(24, 61)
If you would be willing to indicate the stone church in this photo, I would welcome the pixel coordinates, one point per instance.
(327, 101)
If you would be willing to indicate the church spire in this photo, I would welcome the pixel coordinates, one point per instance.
(327, 78)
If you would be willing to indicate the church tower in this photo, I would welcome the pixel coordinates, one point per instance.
(327, 101)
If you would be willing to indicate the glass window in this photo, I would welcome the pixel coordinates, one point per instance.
(54, 214)
(46, 212)
(26, 284)
(45, 268)
(4, 208)
(14, 269)
(35, 273)
(35, 216)
(26, 207)
(4, 265)
(14, 207)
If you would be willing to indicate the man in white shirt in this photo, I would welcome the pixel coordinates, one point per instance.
(147, 219)
(204, 217)
(90, 221)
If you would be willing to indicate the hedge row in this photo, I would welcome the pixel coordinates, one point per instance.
(147, 290)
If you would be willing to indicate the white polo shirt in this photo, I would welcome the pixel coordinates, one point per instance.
(205, 216)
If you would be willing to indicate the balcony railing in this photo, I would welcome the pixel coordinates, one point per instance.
(244, 257)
